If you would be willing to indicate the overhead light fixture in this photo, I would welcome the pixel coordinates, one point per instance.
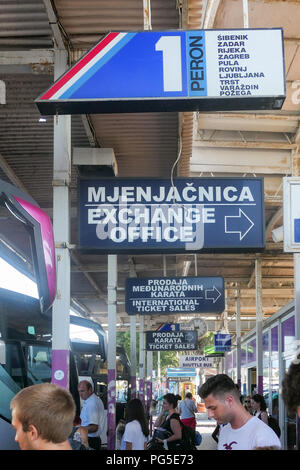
(277, 234)
(186, 268)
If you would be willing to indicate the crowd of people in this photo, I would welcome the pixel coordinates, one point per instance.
(43, 417)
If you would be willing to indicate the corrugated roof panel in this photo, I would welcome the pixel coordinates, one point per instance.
(86, 26)
(24, 25)
(27, 144)
(145, 144)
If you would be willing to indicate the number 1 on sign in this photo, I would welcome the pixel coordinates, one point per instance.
(172, 73)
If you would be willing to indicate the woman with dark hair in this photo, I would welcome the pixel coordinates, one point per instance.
(136, 428)
(247, 404)
(259, 407)
(171, 423)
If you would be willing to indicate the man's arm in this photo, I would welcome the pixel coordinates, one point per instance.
(91, 428)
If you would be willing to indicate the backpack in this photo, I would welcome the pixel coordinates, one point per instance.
(188, 437)
(273, 423)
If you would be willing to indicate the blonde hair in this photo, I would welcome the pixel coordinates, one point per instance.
(51, 409)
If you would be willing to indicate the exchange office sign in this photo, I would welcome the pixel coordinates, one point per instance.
(171, 340)
(145, 296)
(120, 215)
(214, 70)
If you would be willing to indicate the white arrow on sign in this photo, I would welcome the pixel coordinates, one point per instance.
(215, 294)
(243, 218)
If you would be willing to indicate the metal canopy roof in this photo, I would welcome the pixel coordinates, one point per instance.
(213, 144)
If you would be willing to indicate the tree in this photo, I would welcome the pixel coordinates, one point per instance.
(206, 340)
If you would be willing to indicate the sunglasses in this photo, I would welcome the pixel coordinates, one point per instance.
(247, 401)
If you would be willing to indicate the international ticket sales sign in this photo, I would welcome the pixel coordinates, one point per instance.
(207, 70)
(120, 215)
(171, 340)
(148, 296)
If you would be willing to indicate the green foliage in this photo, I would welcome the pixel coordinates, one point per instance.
(167, 359)
(206, 340)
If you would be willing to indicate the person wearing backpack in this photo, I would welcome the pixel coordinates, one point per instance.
(187, 410)
(171, 423)
(259, 406)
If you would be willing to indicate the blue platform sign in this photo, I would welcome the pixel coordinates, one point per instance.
(173, 71)
(169, 327)
(161, 295)
(222, 342)
(120, 215)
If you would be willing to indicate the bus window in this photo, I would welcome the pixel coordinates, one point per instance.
(83, 363)
(14, 363)
(38, 364)
(99, 366)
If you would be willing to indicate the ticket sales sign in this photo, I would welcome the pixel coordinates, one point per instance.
(171, 340)
(120, 215)
(208, 70)
(148, 296)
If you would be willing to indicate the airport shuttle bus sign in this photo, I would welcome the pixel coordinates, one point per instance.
(198, 362)
(171, 340)
(150, 296)
(119, 215)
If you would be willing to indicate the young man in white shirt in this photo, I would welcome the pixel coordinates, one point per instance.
(240, 430)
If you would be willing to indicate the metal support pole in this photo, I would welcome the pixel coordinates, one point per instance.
(149, 380)
(112, 351)
(225, 363)
(259, 321)
(158, 373)
(297, 321)
(61, 221)
(141, 362)
(245, 14)
(238, 340)
(133, 355)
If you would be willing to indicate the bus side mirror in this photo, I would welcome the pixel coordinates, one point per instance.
(2, 352)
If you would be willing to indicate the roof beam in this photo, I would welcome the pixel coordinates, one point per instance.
(55, 25)
(6, 168)
(32, 57)
(243, 145)
(250, 293)
(248, 122)
(240, 160)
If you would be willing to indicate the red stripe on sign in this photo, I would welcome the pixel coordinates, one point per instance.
(77, 67)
